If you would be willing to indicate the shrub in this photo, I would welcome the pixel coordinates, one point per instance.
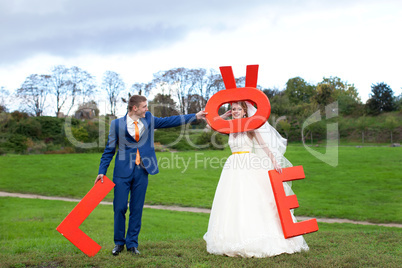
(210, 140)
(51, 126)
(36, 147)
(29, 128)
(17, 115)
(92, 130)
(80, 134)
(15, 143)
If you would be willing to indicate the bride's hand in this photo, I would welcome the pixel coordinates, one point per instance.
(227, 114)
(278, 168)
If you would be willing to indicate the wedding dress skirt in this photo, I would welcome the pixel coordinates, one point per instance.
(244, 220)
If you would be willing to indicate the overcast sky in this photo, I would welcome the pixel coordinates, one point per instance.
(358, 41)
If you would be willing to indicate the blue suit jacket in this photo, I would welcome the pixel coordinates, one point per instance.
(127, 145)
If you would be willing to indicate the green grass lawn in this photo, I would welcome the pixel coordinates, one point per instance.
(366, 185)
(174, 239)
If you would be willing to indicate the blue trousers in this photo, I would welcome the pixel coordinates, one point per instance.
(136, 185)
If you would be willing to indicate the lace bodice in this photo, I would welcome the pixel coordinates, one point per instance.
(240, 143)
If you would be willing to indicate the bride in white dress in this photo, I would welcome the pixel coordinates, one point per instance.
(244, 220)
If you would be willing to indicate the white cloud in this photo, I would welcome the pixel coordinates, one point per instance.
(358, 41)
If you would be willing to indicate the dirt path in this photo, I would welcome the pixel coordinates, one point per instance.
(192, 209)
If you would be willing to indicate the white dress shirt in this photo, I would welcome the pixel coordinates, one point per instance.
(131, 126)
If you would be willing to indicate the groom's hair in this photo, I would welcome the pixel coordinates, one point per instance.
(135, 100)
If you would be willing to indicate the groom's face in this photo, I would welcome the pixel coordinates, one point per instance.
(141, 109)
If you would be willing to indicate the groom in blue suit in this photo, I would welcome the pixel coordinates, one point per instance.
(133, 135)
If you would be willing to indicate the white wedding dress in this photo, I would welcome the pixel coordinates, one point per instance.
(244, 220)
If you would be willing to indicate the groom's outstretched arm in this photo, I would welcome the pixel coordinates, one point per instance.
(177, 120)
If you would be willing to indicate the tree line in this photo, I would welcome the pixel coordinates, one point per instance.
(183, 90)
(187, 90)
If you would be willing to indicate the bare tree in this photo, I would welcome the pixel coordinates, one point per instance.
(188, 86)
(198, 76)
(4, 94)
(181, 82)
(88, 86)
(241, 81)
(163, 106)
(195, 103)
(59, 83)
(68, 84)
(160, 85)
(139, 89)
(214, 83)
(113, 85)
(33, 92)
(80, 83)
(142, 88)
(207, 84)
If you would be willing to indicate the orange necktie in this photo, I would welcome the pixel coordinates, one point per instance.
(137, 138)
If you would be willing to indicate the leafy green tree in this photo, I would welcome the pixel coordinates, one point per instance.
(347, 105)
(284, 125)
(298, 90)
(304, 109)
(4, 119)
(339, 87)
(334, 89)
(398, 103)
(280, 105)
(381, 100)
(324, 95)
(271, 92)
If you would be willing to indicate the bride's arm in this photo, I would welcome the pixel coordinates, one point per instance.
(227, 114)
(261, 142)
(224, 116)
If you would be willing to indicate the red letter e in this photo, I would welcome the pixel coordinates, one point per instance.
(285, 203)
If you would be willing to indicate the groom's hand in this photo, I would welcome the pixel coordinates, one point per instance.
(201, 115)
(99, 178)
